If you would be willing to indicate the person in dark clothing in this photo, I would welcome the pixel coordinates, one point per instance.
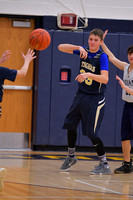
(127, 96)
(11, 74)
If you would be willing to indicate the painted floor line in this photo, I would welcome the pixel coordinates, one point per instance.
(102, 188)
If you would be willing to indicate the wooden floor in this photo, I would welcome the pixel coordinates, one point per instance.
(36, 176)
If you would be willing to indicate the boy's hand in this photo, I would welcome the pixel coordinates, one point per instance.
(81, 77)
(120, 81)
(29, 56)
(104, 35)
(83, 53)
(5, 56)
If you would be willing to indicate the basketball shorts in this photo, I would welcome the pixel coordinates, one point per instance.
(127, 122)
(89, 109)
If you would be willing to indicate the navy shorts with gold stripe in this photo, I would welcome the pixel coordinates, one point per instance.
(89, 108)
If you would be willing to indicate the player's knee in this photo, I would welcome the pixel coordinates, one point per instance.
(95, 140)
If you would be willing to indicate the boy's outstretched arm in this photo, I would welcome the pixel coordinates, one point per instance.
(27, 59)
(118, 63)
(69, 48)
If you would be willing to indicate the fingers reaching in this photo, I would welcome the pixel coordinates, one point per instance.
(105, 33)
(5, 56)
(117, 77)
(30, 55)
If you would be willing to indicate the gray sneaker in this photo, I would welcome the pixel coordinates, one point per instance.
(68, 163)
(101, 169)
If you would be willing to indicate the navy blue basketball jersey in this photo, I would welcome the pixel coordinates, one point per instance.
(94, 63)
(8, 74)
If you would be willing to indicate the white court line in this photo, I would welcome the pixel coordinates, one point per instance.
(102, 188)
(111, 181)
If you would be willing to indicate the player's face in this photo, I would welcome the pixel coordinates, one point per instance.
(130, 58)
(94, 42)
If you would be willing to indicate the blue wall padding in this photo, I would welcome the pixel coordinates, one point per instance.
(43, 96)
(62, 94)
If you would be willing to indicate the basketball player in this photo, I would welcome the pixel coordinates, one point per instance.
(127, 118)
(10, 74)
(89, 101)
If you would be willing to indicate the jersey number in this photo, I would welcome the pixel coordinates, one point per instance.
(88, 81)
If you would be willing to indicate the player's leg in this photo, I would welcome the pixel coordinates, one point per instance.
(126, 148)
(127, 163)
(71, 157)
(71, 123)
(126, 136)
(92, 125)
(3, 172)
(72, 138)
(103, 167)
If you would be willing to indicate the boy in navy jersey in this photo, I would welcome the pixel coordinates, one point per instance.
(10, 74)
(88, 104)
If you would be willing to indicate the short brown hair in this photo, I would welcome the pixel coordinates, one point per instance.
(97, 32)
(130, 49)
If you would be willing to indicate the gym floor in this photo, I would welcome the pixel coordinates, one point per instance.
(36, 175)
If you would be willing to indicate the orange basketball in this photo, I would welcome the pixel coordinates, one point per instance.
(39, 39)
